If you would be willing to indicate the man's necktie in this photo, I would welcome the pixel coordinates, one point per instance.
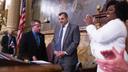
(37, 39)
(9, 40)
(58, 47)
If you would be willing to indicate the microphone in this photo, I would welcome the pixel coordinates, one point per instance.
(46, 20)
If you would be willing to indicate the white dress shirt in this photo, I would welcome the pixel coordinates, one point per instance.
(112, 34)
(64, 32)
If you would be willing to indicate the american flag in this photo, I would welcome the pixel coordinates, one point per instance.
(21, 21)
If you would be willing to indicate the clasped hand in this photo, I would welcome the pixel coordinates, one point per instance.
(59, 54)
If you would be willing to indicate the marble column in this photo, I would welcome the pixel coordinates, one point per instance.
(2, 13)
(13, 15)
(28, 15)
(2, 5)
(36, 9)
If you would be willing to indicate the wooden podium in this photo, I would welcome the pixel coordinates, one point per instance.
(31, 68)
(10, 64)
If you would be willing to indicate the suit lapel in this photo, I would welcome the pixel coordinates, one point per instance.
(57, 33)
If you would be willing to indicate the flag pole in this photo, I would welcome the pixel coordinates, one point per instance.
(21, 24)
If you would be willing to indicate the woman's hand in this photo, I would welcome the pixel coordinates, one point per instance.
(88, 20)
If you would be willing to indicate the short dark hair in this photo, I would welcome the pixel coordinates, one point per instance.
(33, 21)
(121, 9)
(63, 13)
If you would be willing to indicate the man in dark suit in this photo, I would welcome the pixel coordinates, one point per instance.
(65, 42)
(32, 45)
(8, 43)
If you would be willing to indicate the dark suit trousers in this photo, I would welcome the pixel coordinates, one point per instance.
(66, 67)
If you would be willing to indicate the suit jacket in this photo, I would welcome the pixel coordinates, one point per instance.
(70, 43)
(5, 44)
(29, 47)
